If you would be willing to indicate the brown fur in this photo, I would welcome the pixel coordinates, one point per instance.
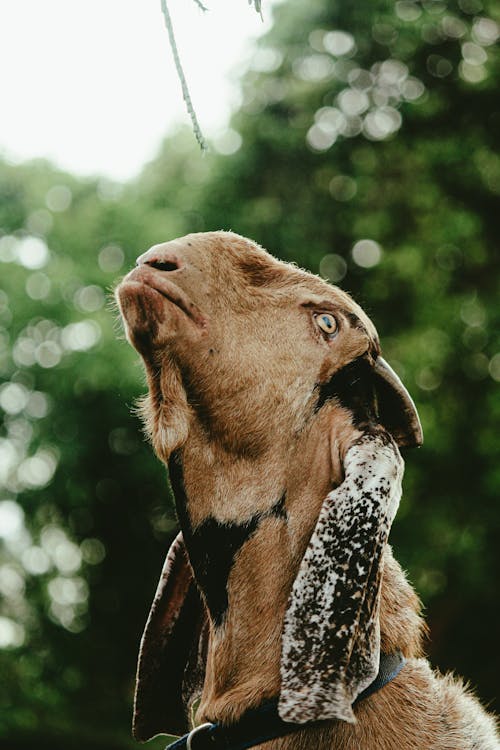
(231, 388)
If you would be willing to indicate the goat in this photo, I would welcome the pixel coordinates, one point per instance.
(280, 423)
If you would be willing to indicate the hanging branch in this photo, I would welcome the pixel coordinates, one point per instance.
(180, 71)
(182, 78)
(257, 5)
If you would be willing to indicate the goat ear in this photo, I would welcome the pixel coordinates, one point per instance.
(396, 410)
(331, 636)
(172, 655)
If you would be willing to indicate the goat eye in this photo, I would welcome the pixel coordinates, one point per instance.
(327, 323)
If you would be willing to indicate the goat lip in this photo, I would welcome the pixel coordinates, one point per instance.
(171, 292)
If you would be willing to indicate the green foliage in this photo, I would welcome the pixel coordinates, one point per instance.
(94, 517)
(369, 156)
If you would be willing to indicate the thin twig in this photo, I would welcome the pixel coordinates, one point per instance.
(258, 6)
(182, 77)
(201, 6)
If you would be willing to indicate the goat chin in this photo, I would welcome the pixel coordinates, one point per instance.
(280, 423)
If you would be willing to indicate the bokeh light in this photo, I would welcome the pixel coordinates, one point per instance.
(366, 253)
(58, 198)
(11, 633)
(111, 258)
(333, 267)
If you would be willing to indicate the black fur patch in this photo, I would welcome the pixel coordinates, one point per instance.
(279, 510)
(213, 546)
(353, 387)
(176, 475)
(212, 550)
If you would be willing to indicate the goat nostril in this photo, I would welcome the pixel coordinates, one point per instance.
(163, 266)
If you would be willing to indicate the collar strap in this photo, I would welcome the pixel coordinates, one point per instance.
(261, 724)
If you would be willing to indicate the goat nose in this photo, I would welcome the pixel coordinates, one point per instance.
(162, 260)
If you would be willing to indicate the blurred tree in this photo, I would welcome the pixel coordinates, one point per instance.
(366, 148)
(83, 520)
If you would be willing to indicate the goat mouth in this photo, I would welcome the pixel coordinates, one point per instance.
(148, 277)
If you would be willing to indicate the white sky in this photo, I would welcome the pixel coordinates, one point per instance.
(91, 84)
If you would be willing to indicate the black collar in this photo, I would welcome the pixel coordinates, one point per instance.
(262, 724)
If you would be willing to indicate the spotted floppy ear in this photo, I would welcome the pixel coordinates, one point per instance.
(331, 636)
(172, 655)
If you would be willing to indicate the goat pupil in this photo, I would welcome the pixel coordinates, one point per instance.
(327, 322)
